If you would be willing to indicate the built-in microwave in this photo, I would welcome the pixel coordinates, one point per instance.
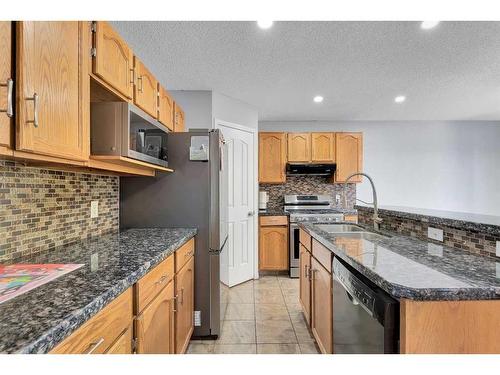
(122, 129)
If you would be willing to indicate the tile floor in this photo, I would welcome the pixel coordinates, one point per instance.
(262, 316)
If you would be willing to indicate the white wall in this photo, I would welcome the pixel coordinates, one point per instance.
(197, 106)
(235, 111)
(451, 166)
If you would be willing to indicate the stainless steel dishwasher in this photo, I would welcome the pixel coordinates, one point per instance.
(365, 318)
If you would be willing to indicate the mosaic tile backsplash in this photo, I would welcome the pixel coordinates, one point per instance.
(472, 241)
(44, 208)
(307, 185)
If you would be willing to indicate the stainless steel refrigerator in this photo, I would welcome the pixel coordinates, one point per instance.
(194, 195)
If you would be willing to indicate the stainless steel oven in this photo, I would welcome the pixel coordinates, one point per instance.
(122, 129)
(365, 318)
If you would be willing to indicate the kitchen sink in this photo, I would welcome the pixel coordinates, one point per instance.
(340, 228)
(362, 235)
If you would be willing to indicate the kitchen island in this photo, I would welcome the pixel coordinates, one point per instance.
(449, 298)
(37, 321)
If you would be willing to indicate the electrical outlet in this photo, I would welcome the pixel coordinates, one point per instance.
(94, 209)
(435, 234)
(498, 270)
(436, 250)
(498, 249)
(337, 199)
(94, 262)
(197, 318)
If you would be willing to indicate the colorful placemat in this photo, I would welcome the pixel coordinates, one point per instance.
(17, 279)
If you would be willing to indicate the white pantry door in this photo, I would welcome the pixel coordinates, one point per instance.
(240, 152)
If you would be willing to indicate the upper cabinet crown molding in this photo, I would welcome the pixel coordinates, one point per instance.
(299, 147)
(272, 157)
(113, 59)
(52, 89)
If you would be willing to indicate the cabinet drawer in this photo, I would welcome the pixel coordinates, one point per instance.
(183, 254)
(96, 335)
(123, 345)
(322, 254)
(305, 239)
(153, 282)
(273, 220)
(351, 218)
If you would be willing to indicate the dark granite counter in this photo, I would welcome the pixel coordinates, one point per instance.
(407, 267)
(35, 322)
(280, 211)
(274, 211)
(459, 220)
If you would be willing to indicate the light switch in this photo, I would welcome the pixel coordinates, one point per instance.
(94, 209)
(435, 234)
(498, 249)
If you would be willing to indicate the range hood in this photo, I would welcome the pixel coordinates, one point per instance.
(310, 169)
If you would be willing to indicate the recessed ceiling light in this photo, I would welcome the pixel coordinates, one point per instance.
(400, 99)
(318, 99)
(426, 25)
(265, 24)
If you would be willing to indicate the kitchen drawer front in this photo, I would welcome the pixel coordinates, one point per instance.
(322, 254)
(305, 239)
(273, 220)
(183, 254)
(97, 334)
(123, 345)
(153, 282)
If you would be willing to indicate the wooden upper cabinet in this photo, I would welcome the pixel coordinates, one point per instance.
(165, 108)
(323, 147)
(272, 157)
(179, 125)
(53, 89)
(184, 291)
(113, 61)
(349, 156)
(155, 325)
(145, 89)
(6, 85)
(273, 248)
(299, 147)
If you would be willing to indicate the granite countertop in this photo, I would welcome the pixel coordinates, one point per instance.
(274, 211)
(36, 321)
(280, 211)
(459, 220)
(407, 267)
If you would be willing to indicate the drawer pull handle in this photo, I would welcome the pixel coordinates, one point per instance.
(140, 88)
(10, 87)
(162, 279)
(188, 254)
(182, 296)
(94, 346)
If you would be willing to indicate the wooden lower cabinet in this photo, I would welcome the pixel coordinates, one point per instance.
(122, 345)
(351, 218)
(273, 248)
(305, 282)
(184, 294)
(321, 306)
(155, 324)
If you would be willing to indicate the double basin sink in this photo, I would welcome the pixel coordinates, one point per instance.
(350, 231)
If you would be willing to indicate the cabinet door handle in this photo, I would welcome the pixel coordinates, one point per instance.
(10, 87)
(35, 110)
(93, 346)
(182, 296)
(132, 71)
(306, 271)
(140, 88)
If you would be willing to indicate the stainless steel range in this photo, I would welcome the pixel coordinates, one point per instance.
(307, 208)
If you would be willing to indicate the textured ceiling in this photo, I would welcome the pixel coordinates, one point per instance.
(451, 72)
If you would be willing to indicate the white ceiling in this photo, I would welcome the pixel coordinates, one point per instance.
(451, 72)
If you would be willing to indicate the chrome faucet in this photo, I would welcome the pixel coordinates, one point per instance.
(376, 220)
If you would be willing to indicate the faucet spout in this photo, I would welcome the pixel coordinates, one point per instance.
(376, 219)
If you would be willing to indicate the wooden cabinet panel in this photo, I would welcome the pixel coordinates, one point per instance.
(145, 89)
(179, 125)
(322, 254)
(184, 292)
(322, 147)
(351, 218)
(348, 155)
(272, 157)
(305, 282)
(97, 334)
(150, 284)
(155, 325)
(305, 239)
(53, 89)
(321, 306)
(165, 108)
(266, 221)
(273, 248)
(123, 345)
(183, 254)
(113, 61)
(299, 147)
(6, 85)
